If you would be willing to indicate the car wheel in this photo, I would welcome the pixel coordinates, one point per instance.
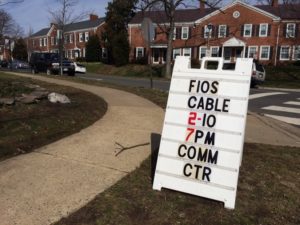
(48, 72)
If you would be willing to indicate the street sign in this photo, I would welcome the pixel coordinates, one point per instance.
(148, 30)
(204, 127)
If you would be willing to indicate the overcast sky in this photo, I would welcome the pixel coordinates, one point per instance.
(34, 13)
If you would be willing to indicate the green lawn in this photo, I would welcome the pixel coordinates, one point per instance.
(283, 76)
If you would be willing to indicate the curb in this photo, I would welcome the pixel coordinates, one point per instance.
(279, 89)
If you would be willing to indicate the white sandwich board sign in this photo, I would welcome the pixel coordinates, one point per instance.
(203, 134)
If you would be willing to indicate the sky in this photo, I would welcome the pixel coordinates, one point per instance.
(34, 13)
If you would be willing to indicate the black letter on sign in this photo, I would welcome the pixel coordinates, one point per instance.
(215, 85)
(199, 134)
(197, 170)
(206, 173)
(189, 102)
(184, 170)
(191, 85)
(179, 151)
(209, 104)
(210, 138)
(226, 105)
(213, 158)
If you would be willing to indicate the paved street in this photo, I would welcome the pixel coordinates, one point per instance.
(283, 105)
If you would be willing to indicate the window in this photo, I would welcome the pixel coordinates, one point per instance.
(202, 52)
(214, 51)
(80, 37)
(41, 42)
(264, 52)
(247, 30)
(290, 30)
(174, 34)
(139, 52)
(65, 39)
(187, 51)
(184, 33)
(71, 38)
(285, 53)
(86, 36)
(104, 53)
(207, 32)
(263, 30)
(45, 42)
(222, 31)
(252, 52)
(52, 41)
(296, 55)
(33, 43)
(176, 52)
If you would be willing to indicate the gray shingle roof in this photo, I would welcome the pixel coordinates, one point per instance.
(182, 15)
(42, 32)
(287, 12)
(73, 26)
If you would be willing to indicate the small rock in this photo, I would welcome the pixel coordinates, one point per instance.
(7, 101)
(58, 98)
(32, 86)
(27, 99)
(39, 94)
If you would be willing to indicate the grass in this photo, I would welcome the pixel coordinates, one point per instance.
(283, 76)
(24, 128)
(268, 193)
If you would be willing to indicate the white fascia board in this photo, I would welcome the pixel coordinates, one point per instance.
(50, 30)
(290, 21)
(251, 7)
(164, 24)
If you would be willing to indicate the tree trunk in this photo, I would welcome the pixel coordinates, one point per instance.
(168, 73)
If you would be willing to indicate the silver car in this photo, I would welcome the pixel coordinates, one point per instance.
(258, 74)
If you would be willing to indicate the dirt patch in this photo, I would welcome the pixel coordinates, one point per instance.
(25, 127)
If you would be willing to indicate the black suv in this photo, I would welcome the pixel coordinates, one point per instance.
(49, 63)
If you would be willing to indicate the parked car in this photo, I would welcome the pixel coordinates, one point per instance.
(3, 63)
(49, 63)
(18, 64)
(79, 68)
(258, 74)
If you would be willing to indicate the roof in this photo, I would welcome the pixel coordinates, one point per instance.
(73, 26)
(181, 16)
(42, 32)
(287, 12)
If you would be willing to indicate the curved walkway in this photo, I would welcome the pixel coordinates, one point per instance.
(47, 184)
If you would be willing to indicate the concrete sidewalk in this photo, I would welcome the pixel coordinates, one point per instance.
(41, 187)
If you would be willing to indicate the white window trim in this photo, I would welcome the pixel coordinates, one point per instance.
(260, 52)
(252, 46)
(45, 42)
(250, 35)
(284, 59)
(137, 50)
(219, 33)
(52, 41)
(294, 30)
(190, 51)
(71, 38)
(212, 48)
(86, 36)
(207, 34)
(80, 37)
(174, 33)
(187, 33)
(200, 51)
(180, 53)
(294, 51)
(267, 29)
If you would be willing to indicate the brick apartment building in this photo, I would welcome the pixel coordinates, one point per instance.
(268, 33)
(76, 36)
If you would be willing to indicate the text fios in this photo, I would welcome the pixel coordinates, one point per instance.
(197, 136)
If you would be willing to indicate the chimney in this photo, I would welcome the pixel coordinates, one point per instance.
(274, 3)
(202, 6)
(93, 17)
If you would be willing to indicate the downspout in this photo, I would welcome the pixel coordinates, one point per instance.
(277, 43)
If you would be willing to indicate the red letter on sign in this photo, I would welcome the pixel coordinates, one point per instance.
(192, 118)
(191, 131)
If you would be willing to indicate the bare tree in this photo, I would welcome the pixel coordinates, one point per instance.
(6, 23)
(5, 2)
(169, 7)
(62, 16)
